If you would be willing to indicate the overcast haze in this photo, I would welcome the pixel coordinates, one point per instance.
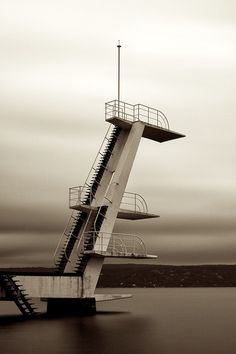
(58, 68)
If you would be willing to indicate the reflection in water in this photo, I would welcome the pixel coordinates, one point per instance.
(165, 321)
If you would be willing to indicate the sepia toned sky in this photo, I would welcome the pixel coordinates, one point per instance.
(58, 63)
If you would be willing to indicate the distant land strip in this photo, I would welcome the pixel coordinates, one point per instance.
(169, 276)
(154, 276)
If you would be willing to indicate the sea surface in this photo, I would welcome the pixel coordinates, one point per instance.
(160, 321)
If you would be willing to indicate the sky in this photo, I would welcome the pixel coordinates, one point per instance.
(58, 63)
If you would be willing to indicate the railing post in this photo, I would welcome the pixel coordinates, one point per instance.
(112, 244)
(82, 242)
(90, 195)
(79, 195)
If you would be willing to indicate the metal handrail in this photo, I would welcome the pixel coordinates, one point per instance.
(65, 254)
(102, 146)
(130, 201)
(78, 195)
(80, 243)
(63, 235)
(134, 202)
(129, 244)
(136, 112)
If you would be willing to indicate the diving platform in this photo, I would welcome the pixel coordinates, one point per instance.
(118, 245)
(108, 254)
(133, 206)
(124, 115)
(126, 214)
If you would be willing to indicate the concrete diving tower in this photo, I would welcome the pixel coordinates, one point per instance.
(88, 237)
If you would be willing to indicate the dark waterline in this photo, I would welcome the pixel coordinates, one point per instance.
(160, 321)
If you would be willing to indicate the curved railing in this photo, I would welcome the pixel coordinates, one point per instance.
(113, 244)
(134, 202)
(136, 112)
(130, 201)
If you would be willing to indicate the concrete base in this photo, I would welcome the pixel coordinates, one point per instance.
(81, 306)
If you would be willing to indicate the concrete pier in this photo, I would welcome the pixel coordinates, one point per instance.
(82, 306)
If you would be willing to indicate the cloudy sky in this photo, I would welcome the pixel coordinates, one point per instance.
(58, 68)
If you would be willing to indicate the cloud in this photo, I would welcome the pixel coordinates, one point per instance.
(60, 66)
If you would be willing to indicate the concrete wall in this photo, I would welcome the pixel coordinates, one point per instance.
(49, 286)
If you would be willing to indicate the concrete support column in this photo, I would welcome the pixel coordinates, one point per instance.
(99, 197)
(111, 167)
(59, 307)
(113, 199)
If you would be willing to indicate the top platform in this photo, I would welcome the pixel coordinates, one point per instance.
(156, 124)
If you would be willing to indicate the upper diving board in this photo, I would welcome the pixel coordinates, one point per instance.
(156, 128)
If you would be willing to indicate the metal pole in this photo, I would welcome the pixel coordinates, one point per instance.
(118, 46)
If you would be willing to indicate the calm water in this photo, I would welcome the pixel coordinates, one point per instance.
(160, 321)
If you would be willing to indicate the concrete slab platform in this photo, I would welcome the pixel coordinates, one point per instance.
(152, 132)
(134, 215)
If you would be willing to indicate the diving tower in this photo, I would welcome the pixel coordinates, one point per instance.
(89, 237)
(95, 206)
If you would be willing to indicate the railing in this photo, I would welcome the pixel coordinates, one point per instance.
(133, 113)
(134, 202)
(115, 244)
(81, 193)
(62, 244)
(78, 195)
(131, 201)
(100, 153)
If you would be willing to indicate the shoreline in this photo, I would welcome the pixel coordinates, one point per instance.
(159, 276)
(152, 276)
